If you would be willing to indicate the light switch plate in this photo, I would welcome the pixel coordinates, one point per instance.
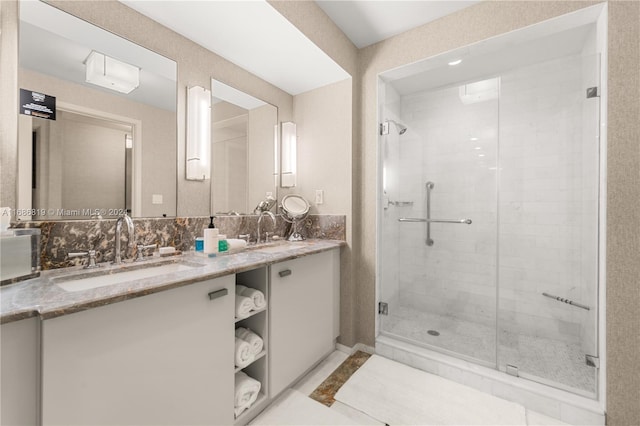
(319, 196)
(156, 199)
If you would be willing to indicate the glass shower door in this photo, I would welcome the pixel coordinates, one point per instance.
(438, 218)
(548, 222)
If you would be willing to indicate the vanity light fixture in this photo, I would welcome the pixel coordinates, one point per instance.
(198, 133)
(288, 154)
(110, 73)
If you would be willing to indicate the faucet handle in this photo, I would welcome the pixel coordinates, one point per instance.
(91, 254)
(268, 236)
(141, 248)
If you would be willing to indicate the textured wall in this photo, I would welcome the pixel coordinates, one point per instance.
(8, 102)
(623, 215)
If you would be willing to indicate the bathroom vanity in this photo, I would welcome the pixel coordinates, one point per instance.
(166, 357)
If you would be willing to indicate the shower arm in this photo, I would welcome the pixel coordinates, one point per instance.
(428, 219)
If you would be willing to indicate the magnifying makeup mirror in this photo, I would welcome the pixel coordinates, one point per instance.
(295, 209)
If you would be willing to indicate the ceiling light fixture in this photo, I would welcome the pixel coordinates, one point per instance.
(111, 73)
(456, 62)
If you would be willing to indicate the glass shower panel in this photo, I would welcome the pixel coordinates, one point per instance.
(443, 169)
(548, 222)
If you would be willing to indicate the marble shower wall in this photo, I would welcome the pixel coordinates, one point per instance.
(58, 238)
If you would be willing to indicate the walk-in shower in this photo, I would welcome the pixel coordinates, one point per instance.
(490, 206)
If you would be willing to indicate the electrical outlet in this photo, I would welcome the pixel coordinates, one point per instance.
(319, 196)
(156, 199)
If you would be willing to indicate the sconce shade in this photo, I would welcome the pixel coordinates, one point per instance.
(288, 157)
(198, 133)
(111, 73)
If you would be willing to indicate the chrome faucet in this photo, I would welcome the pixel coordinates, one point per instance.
(273, 221)
(131, 237)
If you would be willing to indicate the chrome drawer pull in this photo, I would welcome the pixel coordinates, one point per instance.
(284, 273)
(217, 294)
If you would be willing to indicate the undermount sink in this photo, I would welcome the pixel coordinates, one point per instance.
(104, 277)
(274, 248)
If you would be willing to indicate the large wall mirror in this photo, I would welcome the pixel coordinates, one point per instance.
(243, 137)
(107, 151)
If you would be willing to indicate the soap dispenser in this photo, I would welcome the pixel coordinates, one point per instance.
(211, 237)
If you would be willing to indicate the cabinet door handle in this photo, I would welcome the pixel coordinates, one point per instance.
(284, 273)
(218, 293)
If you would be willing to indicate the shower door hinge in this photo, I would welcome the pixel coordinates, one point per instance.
(384, 128)
(512, 370)
(383, 308)
(592, 361)
(592, 92)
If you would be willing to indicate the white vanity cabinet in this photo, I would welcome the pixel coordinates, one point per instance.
(19, 372)
(161, 359)
(303, 315)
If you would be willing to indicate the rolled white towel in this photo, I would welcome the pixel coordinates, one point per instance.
(257, 296)
(244, 305)
(246, 392)
(255, 342)
(244, 353)
(236, 244)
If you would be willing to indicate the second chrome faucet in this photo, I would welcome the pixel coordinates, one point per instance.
(130, 237)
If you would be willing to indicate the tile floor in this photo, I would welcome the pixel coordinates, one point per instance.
(295, 407)
(538, 356)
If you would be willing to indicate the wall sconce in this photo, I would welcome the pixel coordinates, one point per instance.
(288, 154)
(198, 133)
(111, 73)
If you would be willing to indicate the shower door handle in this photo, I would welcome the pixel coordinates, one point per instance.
(428, 220)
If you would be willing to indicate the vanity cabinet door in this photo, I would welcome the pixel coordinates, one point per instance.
(20, 351)
(303, 313)
(161, 359)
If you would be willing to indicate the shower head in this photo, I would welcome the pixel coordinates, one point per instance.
(384, 127)
(401, 127)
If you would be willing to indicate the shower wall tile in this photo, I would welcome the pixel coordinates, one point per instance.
(541, 224)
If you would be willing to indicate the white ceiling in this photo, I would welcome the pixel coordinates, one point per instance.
(252, 35)
(367, 22)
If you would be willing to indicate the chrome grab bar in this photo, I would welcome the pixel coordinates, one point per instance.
(428, 220)
(417, 219)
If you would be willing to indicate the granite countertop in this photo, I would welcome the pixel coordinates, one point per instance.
(43, 297)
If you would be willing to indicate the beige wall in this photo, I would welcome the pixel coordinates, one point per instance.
(324, 121)
(623, 215)
(8, 102)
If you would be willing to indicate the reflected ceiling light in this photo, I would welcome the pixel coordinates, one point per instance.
(456, 62)
(111, 73)
(473, 139)
(477, 147)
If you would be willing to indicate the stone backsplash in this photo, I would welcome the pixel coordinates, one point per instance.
(58, 238)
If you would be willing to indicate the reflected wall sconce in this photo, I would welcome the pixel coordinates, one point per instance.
(198, 133)
(288, 155)
(110, 73)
